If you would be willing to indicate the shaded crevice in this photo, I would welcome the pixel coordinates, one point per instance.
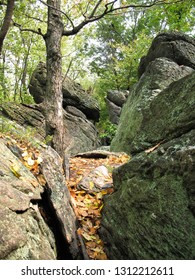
(168, 138)
(51, 219)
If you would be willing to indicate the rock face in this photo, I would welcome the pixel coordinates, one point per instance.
(155, 110)
(23, 232)
(73, 94)
(152, 213)
(175, 46)
(37, 223)
(115, 100)
(154, 195)
(81, 134)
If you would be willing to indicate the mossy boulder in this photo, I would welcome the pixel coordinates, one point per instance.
(151, 213)
(160, 107)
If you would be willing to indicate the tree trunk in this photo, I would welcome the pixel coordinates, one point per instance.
(6, 21)
(53, 99)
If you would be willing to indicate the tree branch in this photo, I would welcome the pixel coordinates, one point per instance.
(95, 9)
(38, 32)
(109, 9)
(54, 8)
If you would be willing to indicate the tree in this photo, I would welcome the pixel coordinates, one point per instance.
(6, 22)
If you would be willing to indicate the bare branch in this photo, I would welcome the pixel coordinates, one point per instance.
(95, 9)
(35, 18)
(154, 3)
(38, 32)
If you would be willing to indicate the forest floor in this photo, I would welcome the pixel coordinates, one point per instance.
(88, 206)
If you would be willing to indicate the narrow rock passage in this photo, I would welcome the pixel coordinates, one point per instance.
(88, 203)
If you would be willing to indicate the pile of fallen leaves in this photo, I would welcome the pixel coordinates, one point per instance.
(29, 155)
(88, 206)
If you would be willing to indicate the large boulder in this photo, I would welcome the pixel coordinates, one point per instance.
(73, 93)
(81, 134)
(23, 231)
(155, 111)
(176, 46)
(151, 215)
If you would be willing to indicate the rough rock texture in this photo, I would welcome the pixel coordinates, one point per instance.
(175, 46)
(115, 100)
(73, 94)
(155, 200)
(23, 232)
(151, 215)
(160, 107)
(96, 181)
(37, 223)
(81, 134)
(60, 199)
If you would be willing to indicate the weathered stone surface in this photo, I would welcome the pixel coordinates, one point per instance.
(27, 116)
(176, 46)
(73, 94)
(115, 100)
(117, 97)
(160, 107)
(23, 232)
(114, 111)
(60, 198)
(152, 213)
(155, 191)
(81, 134)
(96, 181)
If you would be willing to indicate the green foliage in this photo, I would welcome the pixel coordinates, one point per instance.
(107, 131)
(21, 52)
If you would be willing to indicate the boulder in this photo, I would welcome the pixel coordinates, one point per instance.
(118, 97)
(23, 231)
(73, 93)
(115, 100)
(96, 181)
(114, 112)
(155, 111)
(37, 222)
(151, 215)
(176, 46)
(81, 134)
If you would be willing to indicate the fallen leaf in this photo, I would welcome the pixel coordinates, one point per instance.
(88, 237)
(15, 170)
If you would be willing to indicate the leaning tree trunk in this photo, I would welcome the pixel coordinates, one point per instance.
(6, 22)
(53, 99)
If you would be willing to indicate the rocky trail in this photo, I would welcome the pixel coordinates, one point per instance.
(88, 177)
(88, 202)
